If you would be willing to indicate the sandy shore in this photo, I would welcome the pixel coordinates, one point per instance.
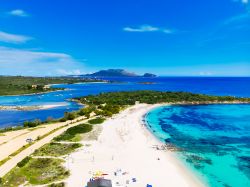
(125, 144)
(33, 107)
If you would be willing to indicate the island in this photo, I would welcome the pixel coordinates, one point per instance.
(117, 73)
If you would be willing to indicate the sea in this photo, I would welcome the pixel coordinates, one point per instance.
(212, 140)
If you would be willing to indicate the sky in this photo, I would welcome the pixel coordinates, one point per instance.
(165, 37)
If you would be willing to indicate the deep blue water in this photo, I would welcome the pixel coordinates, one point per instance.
(215, 86)
(213, 140)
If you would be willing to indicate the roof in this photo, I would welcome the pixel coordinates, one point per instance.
(100, 183)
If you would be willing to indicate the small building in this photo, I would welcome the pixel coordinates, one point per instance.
(34, 86)
(45, 87)
(100, 183)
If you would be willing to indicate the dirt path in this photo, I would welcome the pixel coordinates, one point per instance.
(13, 145)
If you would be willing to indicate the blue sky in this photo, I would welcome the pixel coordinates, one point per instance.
(166, 37)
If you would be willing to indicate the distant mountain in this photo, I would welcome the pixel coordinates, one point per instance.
(149, 75)
(117, 73)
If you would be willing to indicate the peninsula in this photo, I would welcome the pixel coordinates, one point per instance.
(17, 85)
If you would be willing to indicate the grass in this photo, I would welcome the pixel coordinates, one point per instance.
(36, 171)
(56, 149)
(74, 133)
(96, 121)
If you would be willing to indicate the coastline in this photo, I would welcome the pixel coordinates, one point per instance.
(188, 173)
(130, 149)
(34, 107)
(37, 93)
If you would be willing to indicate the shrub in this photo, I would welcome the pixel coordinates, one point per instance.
(70, 133)
(69, 115)
(96, 121)
(61, 184)
(23, 162)
(34, 123)
(63, 119)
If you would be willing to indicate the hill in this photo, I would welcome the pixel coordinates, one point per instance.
(117, 73)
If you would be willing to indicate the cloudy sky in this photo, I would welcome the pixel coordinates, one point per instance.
(166, 37)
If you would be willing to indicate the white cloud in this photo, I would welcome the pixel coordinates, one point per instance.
(71, 72)
(241, 1)
(18, 12)
(205, 73)
(142, 28)
(147, 28)
(13, 38)
(238, 18)
(244, 1)
(27, 62)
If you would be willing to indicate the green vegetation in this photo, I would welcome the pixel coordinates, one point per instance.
(68, 116)
(16, 85)
(86, 111)
(56, 149)
(107, 110)
(36, 171)
(6, 129)
(152, 97)
(74, 133)
(60, 184)
(23, 162)
(96, 121)
(34, 123)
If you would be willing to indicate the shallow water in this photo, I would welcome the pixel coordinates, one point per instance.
(206, 85)
(213, 140)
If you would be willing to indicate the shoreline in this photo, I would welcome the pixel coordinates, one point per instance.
(130, 149)
(172, 155)
(32, 108)
(49, 91)
(37, 93)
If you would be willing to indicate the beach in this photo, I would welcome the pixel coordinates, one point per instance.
(126, 148)
(33, 107)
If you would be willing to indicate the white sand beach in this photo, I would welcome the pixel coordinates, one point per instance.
(126, 146)
(34, 107)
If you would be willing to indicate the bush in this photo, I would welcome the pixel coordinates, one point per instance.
(61, 184)
(56, 149)
(23, 162)
(63, 119)
(70, 133)
(34, 123)
(96, 121)
(69, 115)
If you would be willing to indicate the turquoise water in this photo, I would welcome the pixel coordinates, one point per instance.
(213, 140)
